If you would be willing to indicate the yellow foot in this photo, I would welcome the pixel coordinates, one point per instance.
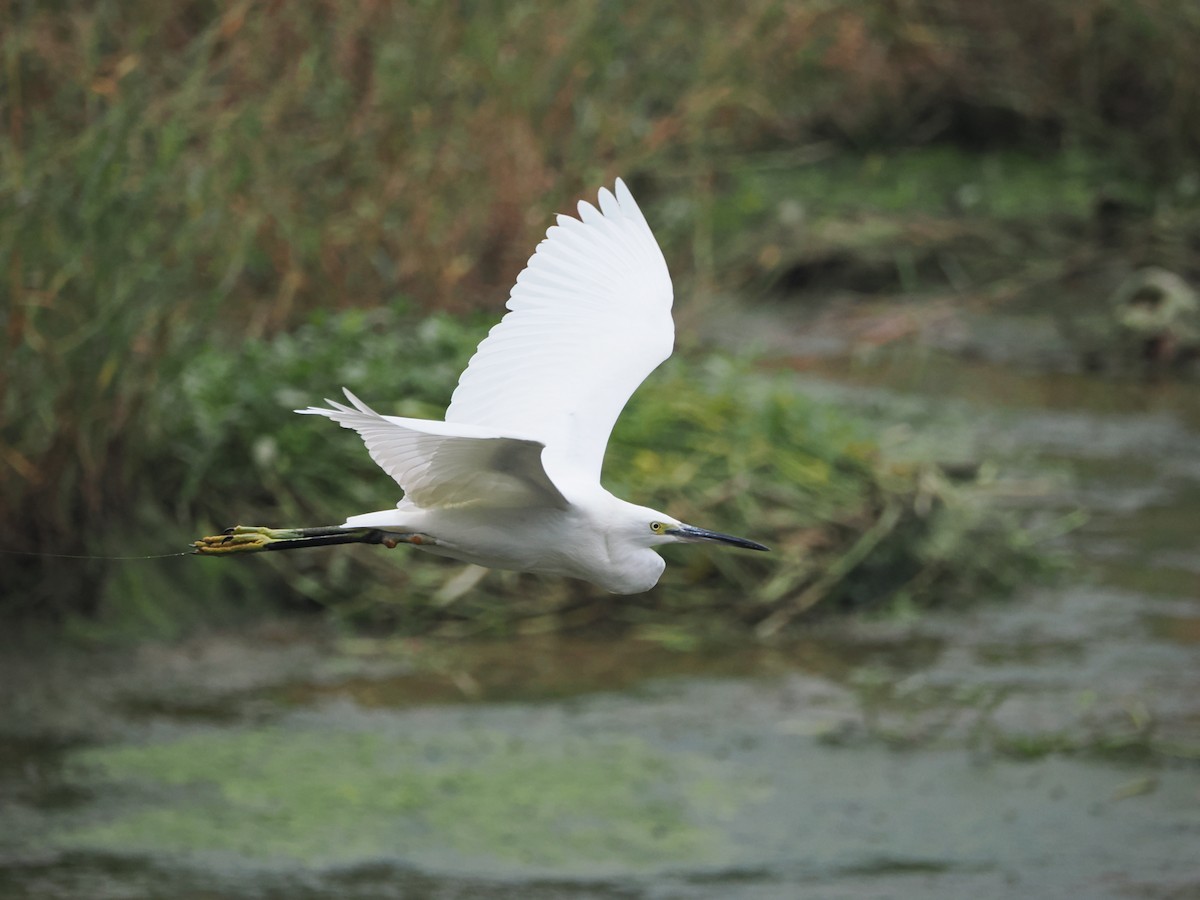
(243, 539)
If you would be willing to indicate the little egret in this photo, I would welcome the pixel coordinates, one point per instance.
(511, 478)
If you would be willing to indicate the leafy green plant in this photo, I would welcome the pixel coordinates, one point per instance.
(712, 440)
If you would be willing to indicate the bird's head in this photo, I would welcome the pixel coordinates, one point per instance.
(650, 528)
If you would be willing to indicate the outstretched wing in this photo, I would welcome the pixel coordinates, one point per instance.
(440, 465)
(590, 319)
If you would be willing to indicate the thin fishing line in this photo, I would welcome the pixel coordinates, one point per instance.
(73, 556)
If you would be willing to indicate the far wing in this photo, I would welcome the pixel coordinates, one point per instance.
(590, 319)
(443, 465)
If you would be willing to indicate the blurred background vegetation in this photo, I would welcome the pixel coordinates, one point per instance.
(213, 212)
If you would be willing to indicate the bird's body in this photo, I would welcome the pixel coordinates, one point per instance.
(511, 478)
(531, 539)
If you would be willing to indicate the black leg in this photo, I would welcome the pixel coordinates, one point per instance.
(256, 538)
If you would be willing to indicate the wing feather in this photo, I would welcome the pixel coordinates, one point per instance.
(589, 318)
(442, 465)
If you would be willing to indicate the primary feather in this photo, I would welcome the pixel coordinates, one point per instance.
(589, 318)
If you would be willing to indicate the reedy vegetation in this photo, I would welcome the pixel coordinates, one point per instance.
(182, 181)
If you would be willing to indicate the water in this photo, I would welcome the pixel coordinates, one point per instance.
(1041, 747)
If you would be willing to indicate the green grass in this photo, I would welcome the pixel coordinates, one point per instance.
(1007, 186)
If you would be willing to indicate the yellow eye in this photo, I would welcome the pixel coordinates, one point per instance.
(658, 527)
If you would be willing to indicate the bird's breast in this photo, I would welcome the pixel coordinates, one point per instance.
(632, 573)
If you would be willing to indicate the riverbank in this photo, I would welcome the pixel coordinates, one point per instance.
(937, 754)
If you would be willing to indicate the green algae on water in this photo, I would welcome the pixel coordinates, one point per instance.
(461, 799)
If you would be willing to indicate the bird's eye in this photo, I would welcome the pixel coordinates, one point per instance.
(657, 527)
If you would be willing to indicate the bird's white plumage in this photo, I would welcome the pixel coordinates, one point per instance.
(511, 478)
(441, 465)
(590, 318)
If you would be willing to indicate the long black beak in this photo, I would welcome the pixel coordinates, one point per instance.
(691, 533)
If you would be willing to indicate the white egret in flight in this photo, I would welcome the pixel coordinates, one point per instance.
(511, 478)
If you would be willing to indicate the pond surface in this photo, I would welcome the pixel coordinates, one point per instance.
(1044, 746)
